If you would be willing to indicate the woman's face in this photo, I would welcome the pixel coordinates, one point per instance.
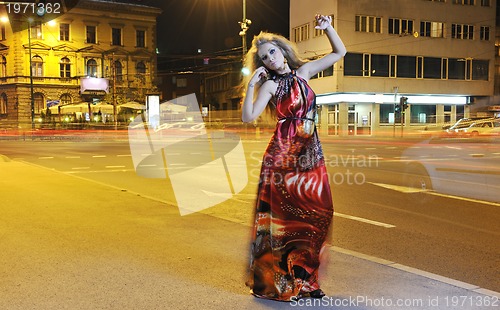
(271, 56)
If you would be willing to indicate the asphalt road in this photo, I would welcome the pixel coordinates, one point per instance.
(444, 234)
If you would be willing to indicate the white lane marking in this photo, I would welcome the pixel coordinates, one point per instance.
(406, 189)
(399, 188)
(363, 220)
(99, 156)
(147, 165)
(113, 167)
(72, 157)
(97, 171)
(491, 203)
(46, 157)
(80, 168)
(124, 155)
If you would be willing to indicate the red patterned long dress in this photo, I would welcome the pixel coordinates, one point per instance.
(294, 206)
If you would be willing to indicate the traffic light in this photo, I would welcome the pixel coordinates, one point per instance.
(403, 103)
(397, 107)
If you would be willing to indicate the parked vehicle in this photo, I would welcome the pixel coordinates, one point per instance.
(482, 127)
(463, 123)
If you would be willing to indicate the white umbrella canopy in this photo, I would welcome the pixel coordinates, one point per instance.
(54, 109)
(73, 108)
(104, 108)
(172, 107)
(132, 105)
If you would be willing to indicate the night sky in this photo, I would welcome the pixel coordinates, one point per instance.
(212, 25)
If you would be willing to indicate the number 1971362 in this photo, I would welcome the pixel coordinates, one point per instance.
(33, 8)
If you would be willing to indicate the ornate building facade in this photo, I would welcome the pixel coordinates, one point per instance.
(98, 52)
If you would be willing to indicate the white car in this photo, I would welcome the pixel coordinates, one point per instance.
(460, 167)
(483, 127)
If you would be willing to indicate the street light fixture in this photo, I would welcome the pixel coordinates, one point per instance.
(244, 24)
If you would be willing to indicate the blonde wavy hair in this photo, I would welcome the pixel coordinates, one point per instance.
(253, 61)
(288, 48)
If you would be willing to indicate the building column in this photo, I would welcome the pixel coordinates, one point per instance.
(439, 115)
(343, 119)
(323, 120)
(375, 121)
(453, 117)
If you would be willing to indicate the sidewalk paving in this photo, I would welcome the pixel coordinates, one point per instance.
(69, 243)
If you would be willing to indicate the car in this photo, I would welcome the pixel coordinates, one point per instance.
(459, 167)
(457, 128)
(482, 127)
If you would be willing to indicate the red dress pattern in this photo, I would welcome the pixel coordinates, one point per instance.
(294, 206)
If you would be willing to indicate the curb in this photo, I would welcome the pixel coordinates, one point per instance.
(418, 272)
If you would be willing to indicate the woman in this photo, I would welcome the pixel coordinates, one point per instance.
(294, 205)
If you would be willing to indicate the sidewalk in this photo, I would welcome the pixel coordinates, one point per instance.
(69, 243)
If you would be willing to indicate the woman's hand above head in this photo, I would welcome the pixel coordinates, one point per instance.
(322, 21)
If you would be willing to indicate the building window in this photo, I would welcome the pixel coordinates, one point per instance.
(91, 68)
(484, 33)
(423, 114)
(432, 29)
(437, 0)
(39, 102)
(465, 32)
(37, 66)
(65, 99)
(64, 32)
(353, 64)
(301, 33)
(116, 36)
(324, 73)
(3, 66)
(400, 26)
(480, 70)
(387, 115)
(392, 68)
(366, 65)
(368, 24)
(3, 104)
(485, 3)
(140, 38)
(140, 67)
(406, 66)
(432, 68)
(464, 2)
(91, 34)
(181, 82)
(118, 74)
(36, 30)
(468, 69)
(2, 33)
(420, 67)
(65, 68)
(456, 69)
(444, 68)
(379, 65)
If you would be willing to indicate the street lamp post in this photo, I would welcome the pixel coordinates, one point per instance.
(245, 23)
(32, 99)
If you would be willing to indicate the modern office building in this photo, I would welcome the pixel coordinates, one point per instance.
(439, 54)
(96, 53)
